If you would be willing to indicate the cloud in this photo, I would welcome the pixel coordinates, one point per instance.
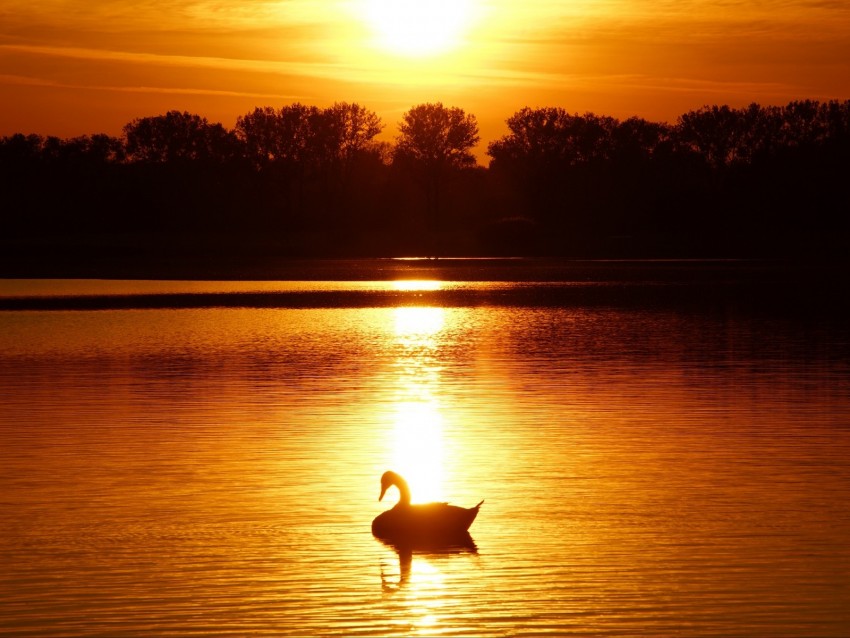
(206, 62)
(31, 81)
(169, 15)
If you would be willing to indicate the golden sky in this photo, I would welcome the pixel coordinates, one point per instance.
(72, 67)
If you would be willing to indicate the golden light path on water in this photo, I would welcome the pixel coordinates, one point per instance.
(418, 448)
(418, 443)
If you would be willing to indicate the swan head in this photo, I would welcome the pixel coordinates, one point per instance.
(386, 480)
(390, 478)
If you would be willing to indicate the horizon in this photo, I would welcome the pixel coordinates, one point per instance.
(94, 69)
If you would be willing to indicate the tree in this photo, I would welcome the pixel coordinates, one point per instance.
(344, 136)
(20, 149)
(176, 136)
(438, 137)
(717, 133)
(636, 139)
(435, 141)
(346, 130)
(284, 138)
(555, 157)
(282, 143)
(551, 137)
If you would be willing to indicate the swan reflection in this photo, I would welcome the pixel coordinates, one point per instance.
(428, 554)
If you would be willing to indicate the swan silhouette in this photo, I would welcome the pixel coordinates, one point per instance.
(425, 524)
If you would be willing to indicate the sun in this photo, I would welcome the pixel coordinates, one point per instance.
(418, 28)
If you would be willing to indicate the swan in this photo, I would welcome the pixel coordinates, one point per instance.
(425, 523)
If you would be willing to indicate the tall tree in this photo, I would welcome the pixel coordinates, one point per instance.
(282, 143)
(282, 137)
(176, 136)
(347, 129)
(551, 136)
(548, 151)
(345, 135)
(435, 141)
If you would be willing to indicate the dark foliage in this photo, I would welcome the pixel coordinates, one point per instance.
(304, 181)
(721, 181)
(434, 146)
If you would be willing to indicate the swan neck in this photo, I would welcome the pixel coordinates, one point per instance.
(403, 491)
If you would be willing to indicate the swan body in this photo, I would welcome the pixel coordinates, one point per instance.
(428, 522)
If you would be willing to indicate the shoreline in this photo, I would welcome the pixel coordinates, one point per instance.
(786, 287)
(462, 269)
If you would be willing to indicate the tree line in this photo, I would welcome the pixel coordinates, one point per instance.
(306, 181)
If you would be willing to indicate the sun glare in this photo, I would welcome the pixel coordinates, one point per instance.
(415, 28)
(415, 325)
(417, 449)
(415, 285)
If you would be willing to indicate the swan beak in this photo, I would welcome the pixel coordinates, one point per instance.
(383, 491)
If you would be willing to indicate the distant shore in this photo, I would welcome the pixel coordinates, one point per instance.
(805, 289)
(518, 269)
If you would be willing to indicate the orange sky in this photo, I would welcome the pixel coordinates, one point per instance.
(76, 67)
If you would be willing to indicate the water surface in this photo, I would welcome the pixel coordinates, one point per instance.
(647, 469)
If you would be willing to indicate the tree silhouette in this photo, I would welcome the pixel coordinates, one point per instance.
(555, 158)
(344, 136)
(550, 136)
(721, 181)
(434, 141)
(282, 138)
(345, 130)
(636, 139)
(283, 143)
(176, 136)
(95, 149)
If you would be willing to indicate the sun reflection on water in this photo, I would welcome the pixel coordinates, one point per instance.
(418, 451)
(406, 285)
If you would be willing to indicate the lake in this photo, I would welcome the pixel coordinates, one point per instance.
(661, 453)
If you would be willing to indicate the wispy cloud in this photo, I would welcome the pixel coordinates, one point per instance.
(32, 81)
(170, 15)
(403, 73)
(199, 61)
